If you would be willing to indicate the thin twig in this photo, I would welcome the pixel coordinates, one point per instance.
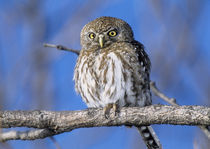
(172, 101)
(60, 47)
(157, 92)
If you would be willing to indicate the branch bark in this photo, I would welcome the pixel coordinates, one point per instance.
(60, 47)
(51, 123)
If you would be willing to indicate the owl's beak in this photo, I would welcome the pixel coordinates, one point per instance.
(101, 40)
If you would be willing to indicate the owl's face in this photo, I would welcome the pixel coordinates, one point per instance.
(104, 31)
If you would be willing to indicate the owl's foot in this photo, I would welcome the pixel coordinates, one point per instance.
(108, 108)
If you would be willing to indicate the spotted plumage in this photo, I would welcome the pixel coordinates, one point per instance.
(113, 68)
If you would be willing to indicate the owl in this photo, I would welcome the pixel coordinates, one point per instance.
(113, 70)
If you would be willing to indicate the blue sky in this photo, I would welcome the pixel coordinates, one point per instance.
(176, 36)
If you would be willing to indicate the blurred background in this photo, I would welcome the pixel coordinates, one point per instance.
(176, 34)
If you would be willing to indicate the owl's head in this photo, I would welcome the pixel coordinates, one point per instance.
(104, 31)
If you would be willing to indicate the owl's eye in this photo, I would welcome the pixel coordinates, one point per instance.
(92, 35)
(112, 33)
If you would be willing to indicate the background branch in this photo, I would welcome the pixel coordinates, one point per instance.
(157, 92)
(51, 123)
(172, 101)
(60, 47)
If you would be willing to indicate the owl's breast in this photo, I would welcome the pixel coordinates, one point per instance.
(112, 76)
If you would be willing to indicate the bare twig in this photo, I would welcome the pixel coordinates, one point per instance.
(50, 123)
(172, 101)
(60, 47)
(157, 92)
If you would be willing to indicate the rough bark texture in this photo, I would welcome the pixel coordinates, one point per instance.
(155, 114)
(51, 123)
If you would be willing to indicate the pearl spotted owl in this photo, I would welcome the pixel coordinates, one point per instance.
(113, 70)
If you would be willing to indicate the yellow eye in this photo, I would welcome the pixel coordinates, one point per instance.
(112, 33)
(92, 35)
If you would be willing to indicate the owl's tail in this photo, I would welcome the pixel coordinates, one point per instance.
(150, 138)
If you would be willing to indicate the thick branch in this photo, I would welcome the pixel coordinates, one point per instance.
(155, 114)
(52, 123)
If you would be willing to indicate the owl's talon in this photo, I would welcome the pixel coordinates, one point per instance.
(115, 108)
(108, 108)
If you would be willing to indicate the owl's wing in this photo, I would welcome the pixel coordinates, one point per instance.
(145, 64)
(142, 55)
(148, 134)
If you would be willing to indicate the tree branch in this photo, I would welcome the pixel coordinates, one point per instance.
(51, 123)
(60, 47)
(157, 92)
(172, 101)
(26, 135)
